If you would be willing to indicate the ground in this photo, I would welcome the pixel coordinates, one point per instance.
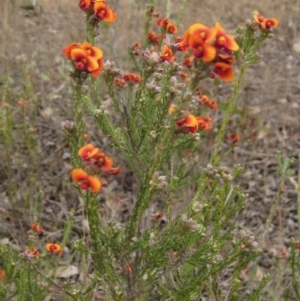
(34, 70)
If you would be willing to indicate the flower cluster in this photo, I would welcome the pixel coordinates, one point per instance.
(166, 25)
(85, 57)
(99, 9)
(208, 102)
(265, 23)
(97, 162)
(211, 45)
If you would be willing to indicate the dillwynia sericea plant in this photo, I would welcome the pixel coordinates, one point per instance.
(162, 116)
(161, 120)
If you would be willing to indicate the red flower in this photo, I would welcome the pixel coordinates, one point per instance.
(85, 4)
(162, 22)
(204, 123)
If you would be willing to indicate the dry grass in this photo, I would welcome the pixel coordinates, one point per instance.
(30, 54)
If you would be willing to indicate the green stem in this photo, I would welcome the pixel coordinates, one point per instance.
(78, 113)
(90, 29)
(215, 158)
(181, 12)
(95, 226)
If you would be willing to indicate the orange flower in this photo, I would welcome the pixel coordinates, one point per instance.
(224, 57)
(54, 248)
(190, 123)
(92, 51)
(265, 23)
(86, 136)
(234, 137)
(37, 228)
(204, 123)
(167, 54)
(225, 40)
(114, 170)
(87, 152)
(208, 102)
(202, 50)
(32, 252)
(188, 61)
(119, 82)
(22, 103)
(224, 71)
(86, 181)
(97, 72)
(132, 78)
(103, 161)
(86, 57)
(2, 274)
(183, 75)
(162, 22)
(166, 24)
(199, 31)
(171, 108)
(94, 158)
(171, 28)
(67, 50)
(128, 268)
(136, 47)
(104, 12)
(83, 61)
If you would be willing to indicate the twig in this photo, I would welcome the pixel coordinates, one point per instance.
(49, 279)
